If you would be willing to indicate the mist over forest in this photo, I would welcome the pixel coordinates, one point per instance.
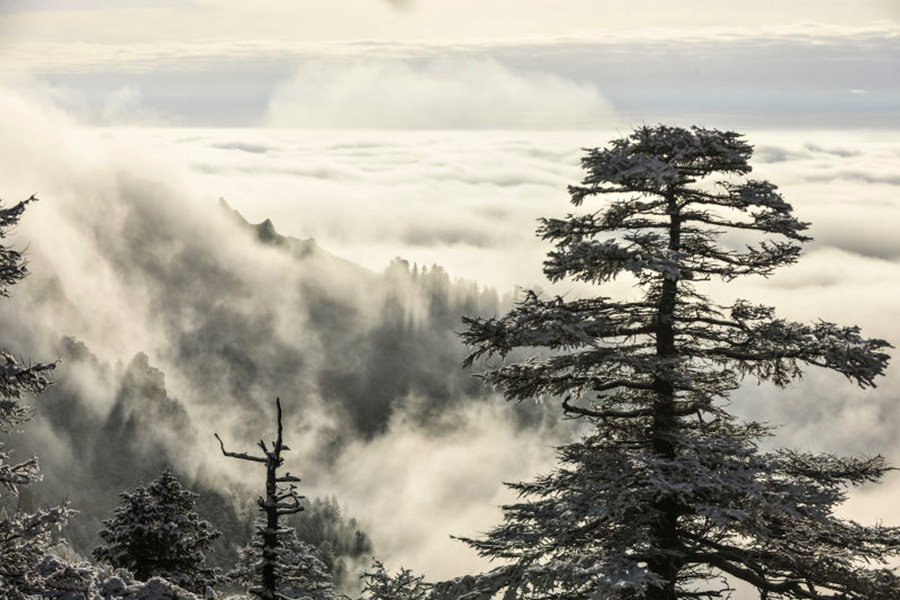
(348, 350)
(172, 318)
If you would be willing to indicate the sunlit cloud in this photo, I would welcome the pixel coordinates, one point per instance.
(466, 94)
(430, 471)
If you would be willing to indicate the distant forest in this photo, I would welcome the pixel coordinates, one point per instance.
(372, 361)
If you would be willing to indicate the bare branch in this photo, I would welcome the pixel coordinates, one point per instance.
(239, 455)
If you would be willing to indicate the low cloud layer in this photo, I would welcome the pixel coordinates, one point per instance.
(473, 187)
(131, 253)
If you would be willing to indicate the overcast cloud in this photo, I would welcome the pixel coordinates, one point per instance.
(811, 75)
(103, 20)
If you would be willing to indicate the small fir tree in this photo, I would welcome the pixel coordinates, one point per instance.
(670, 496)
(156, 532)
(379, 584)
(24, 537)
(303, 572)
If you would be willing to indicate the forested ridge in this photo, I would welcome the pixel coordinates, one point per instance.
(373, 363)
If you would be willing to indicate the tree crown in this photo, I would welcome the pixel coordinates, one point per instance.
(157, 532)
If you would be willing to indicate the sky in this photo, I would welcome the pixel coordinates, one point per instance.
(438, 131)
(438, 64)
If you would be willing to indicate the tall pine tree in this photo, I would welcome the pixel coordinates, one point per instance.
(671, 496)
(25, 537)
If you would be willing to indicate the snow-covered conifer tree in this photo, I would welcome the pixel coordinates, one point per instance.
(671, 496)
(303, 574)
(24, 537)
(404, 585)
(280, 500)
(156, 532)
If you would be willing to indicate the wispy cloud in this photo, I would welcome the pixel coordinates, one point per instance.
(444, 94)
(137, 54)
(401, 4)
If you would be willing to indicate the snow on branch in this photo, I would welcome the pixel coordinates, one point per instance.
(669, 495)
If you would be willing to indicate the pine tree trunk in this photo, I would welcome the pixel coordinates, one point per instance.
(665, 534)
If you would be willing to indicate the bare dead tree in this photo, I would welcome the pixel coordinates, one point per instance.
(281, 499)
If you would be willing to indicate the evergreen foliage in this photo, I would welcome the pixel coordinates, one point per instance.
(671, 496)
(303, 573)
(83, 581)
(404, 585)
(339, 539)
(157, 533)
(25, 537)
(412, 349)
